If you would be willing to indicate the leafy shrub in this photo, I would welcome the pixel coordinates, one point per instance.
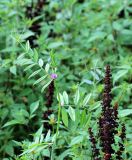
(74, 40)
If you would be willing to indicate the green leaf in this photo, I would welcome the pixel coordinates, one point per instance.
(9, 149)
(46, 152)
(55, 45)
(39, 132)
(25, 62)
(61, 99)
(30, 66)
(88, 121)
(17, 143)
(13, 70)
(12, 122)
(76, 140)
(64, 117)
(71, 112)
(87, 81)
(117, 26)
(27, 46)
(64, 154)
(95, 75)
(47, 67)
(119, 74)
(110, 37)
(97, 35)
(83, 117)
(21, 56)
(125, 112)
(77, 97)
(40, 79)
(35, 56)
(46, 85)
(65, 97)
(95, 106)
(40, 62)
(47, 138)
(26, 35)
(86, 99)
(34, 106)
(34, 73)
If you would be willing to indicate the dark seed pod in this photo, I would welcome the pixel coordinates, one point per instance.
(107, 119)
(49, 101)
(108, 123)
(95, 151)
(123, 133)
(50, 94)
(107, 156)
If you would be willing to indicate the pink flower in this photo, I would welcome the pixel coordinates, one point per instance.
(53, 76)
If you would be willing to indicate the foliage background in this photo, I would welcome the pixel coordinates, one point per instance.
(84, 36)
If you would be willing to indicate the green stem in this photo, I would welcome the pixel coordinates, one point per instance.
(58, 124)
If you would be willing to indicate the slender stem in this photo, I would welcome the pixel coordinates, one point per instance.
(58, 124)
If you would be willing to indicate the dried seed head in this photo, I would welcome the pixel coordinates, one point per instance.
(95, 151)
(50, 95)
(108, 123)
(107, 120)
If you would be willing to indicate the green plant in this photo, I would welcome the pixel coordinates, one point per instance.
(75, 40)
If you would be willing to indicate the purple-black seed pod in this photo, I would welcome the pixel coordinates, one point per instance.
(123, 133)
(49, 101)
(108, 124)
(95, 151)
(50, 95)
(107, 119)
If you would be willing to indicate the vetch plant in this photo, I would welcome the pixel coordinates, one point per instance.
(108, 125)
(49, 26)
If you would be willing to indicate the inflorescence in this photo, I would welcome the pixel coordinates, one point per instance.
(94, 145)
(49, 102)
(108, 125)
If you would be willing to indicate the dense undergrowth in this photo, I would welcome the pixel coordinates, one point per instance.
(53, 56)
